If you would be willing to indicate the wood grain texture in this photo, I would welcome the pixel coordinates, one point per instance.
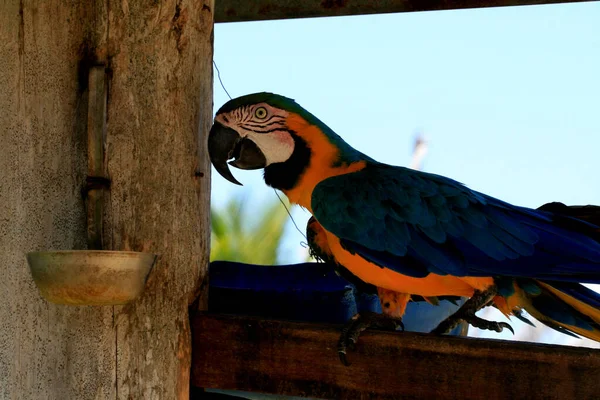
(47, 351)
(299, 359)
(159, 115)
(159, 56)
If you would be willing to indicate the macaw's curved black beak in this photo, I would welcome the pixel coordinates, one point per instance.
(224, 144)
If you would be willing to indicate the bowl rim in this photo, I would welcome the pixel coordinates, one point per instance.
(98, 252)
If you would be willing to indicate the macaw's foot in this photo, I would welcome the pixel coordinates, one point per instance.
(358, 324)
(488, 325)
(467, 313)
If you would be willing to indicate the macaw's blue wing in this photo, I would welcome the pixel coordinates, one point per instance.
(416, 223)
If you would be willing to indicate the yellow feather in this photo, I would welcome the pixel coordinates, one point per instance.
(580, 306)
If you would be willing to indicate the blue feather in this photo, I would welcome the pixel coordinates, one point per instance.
(434, 257)
(579, 292)
(559, 311)
(408, 266)
(434, 232)
(529, 286)
(560, 329)
(450, 229)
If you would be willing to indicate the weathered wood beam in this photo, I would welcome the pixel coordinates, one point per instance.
(158, 107)
(262, 10)
(286, 358)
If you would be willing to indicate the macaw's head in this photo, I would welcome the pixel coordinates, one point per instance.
(265, 130)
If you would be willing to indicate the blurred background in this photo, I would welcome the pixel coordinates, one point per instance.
(504, 100)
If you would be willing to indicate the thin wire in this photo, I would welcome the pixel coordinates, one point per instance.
(303, 244)
(219, 77)
(288, 211)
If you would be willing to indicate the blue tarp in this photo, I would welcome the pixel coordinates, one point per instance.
(310, 292)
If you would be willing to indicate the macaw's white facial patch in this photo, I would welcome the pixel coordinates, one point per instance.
(264, 125)
(222, 119)
(276, 146)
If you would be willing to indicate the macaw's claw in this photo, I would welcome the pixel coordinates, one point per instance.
(488, 325)
(359, 322)
(467, 313)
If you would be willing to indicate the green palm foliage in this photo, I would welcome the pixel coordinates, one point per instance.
(242, 235)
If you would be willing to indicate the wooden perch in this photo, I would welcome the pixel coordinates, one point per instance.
(299, 359)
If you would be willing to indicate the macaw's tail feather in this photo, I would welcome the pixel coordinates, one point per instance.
(588, 213)
(567, 307)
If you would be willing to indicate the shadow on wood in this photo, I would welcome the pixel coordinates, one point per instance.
(299, 359)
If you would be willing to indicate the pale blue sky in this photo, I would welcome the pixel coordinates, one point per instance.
(508, 98)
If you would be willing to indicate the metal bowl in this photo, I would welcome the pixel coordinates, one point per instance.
(90, 277)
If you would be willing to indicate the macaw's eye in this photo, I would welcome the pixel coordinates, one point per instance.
(260, 113)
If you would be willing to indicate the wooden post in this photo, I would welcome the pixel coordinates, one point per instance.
(159, 115)
(159, 111)
(46, 351)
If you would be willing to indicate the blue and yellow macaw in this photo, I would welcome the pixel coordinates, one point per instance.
(411, 233)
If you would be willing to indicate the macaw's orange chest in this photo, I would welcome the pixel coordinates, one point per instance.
(431, 285)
